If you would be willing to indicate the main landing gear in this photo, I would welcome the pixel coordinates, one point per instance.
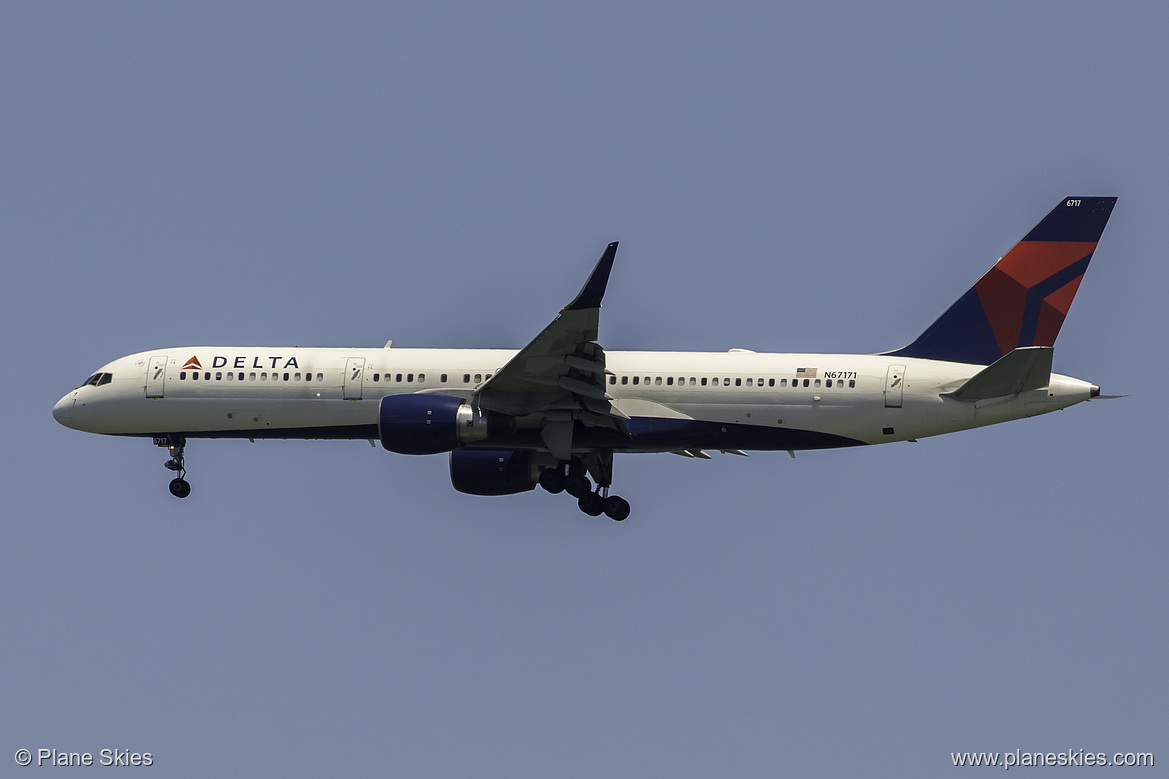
(573, 477)
(179, 486)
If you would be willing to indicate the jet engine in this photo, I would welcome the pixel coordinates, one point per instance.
(481, 472)
(428, 424)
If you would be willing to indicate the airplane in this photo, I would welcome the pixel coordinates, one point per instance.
(555, 412)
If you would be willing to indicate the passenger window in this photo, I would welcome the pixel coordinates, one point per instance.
(207, 376)
(771, 382)
(478, 377)
(194, 375)
(704, 381)
(230, 376)
(612, 379)
(241, 376)
(421, 377)
(264, 376)
(738, 382)
(805, 382)
(828, 383)
(252, 376)
(624, 379)
(466, 378)
(657, 381)
(376, 377)
(286, 377)
(636, 379)
(692, 381)
(296, 376)
(669, 381)
(218, 376)
(320, 377)
(749, 384)
(410, 377)
(182, 377)
(851, 383)
(817, 382)
(442, 378)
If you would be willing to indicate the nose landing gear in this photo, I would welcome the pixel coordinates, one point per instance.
(175, 444)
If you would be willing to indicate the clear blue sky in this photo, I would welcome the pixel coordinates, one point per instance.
(786, 179)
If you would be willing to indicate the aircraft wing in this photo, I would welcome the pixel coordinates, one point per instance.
(562, 371)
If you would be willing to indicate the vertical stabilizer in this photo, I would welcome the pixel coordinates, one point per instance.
(1023, 299)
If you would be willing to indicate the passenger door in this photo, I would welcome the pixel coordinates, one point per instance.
(156, 376)
(894, 386)
(354, 373)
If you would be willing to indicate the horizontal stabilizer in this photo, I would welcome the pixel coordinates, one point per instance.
(1025, 368)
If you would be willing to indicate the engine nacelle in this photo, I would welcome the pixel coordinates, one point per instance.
(428, 424)
(479, 472)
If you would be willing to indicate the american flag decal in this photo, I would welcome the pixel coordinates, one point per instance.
(806, 373)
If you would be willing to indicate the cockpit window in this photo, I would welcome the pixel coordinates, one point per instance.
(98, 379)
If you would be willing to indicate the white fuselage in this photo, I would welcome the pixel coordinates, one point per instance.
(675, 400)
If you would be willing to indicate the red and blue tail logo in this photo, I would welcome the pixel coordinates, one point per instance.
(1023, 299)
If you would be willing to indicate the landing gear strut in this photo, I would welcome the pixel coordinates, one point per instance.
(179, 486)
(576, 483)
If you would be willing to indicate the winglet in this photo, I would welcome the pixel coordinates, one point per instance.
(594, 289)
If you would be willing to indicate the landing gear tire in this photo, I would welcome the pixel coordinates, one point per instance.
(616, 509)
(552, 479)
(592, 504)
(175, 445)
(577, 485)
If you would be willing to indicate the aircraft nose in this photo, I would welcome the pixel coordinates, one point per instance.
(63, 411)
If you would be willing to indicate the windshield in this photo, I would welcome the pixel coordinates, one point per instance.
(98, 379)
